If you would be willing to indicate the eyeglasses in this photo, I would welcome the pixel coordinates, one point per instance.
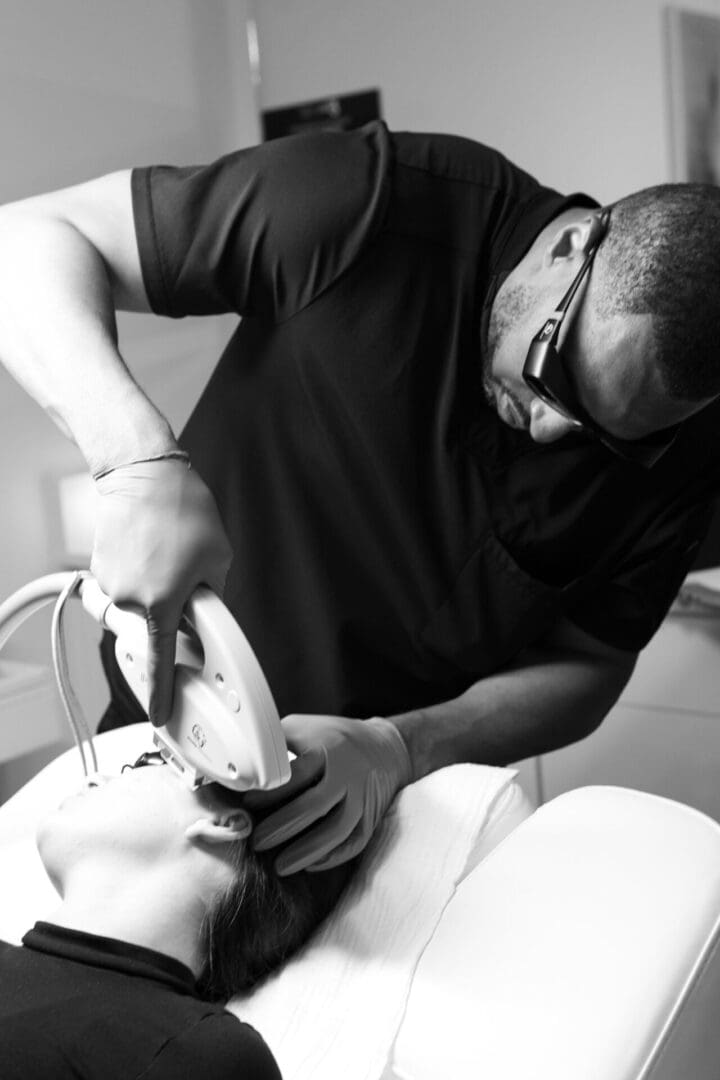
(150, 757)
(545, 373)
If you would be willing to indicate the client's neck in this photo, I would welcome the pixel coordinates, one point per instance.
(148, 908)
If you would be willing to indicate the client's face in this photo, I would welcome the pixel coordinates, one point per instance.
(141, 815)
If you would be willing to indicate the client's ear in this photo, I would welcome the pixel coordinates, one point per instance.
(221, 828)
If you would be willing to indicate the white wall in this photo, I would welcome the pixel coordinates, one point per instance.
(572, 90)
(86, 87)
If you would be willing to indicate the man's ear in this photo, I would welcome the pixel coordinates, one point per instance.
(224, 828)
(574, 238)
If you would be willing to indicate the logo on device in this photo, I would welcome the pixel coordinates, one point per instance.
(197, 736)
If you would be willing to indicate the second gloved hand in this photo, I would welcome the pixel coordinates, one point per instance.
(347, 773)
(158, 535)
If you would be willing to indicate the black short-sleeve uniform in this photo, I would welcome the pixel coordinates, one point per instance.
(394, 541)
(80, 1006)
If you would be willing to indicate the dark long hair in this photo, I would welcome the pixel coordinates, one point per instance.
(261, 919)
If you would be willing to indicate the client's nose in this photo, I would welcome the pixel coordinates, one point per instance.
(547, 424)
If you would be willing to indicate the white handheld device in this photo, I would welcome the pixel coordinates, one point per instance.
(224, 725)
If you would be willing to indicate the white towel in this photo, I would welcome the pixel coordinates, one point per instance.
(335, 1009)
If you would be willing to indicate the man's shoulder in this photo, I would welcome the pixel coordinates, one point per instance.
(457, 157)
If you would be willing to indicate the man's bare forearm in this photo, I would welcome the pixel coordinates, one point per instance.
(545, 701)
(58, 338)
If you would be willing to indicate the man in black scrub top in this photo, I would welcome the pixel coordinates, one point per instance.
(421, 538)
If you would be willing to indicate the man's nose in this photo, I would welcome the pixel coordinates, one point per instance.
(547, 424)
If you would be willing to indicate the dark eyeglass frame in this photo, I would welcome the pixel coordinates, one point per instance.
(546, 374)
(150, 757)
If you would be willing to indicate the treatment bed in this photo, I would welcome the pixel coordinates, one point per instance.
(479, 938)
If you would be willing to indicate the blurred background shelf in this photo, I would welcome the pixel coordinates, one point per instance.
(30, 712)
(663, 736)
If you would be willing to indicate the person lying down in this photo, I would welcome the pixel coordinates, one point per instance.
(165, 913)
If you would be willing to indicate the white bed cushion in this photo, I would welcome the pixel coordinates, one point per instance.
(584, 948)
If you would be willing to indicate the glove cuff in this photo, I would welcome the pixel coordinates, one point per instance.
(394, 744)
(168, 455)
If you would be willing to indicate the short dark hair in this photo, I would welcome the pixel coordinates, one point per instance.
(661, 257)
(262, 919)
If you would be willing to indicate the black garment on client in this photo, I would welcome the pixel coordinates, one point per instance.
(77, 1005)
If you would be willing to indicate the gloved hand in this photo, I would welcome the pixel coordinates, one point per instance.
(345, 776)
(158, 534)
